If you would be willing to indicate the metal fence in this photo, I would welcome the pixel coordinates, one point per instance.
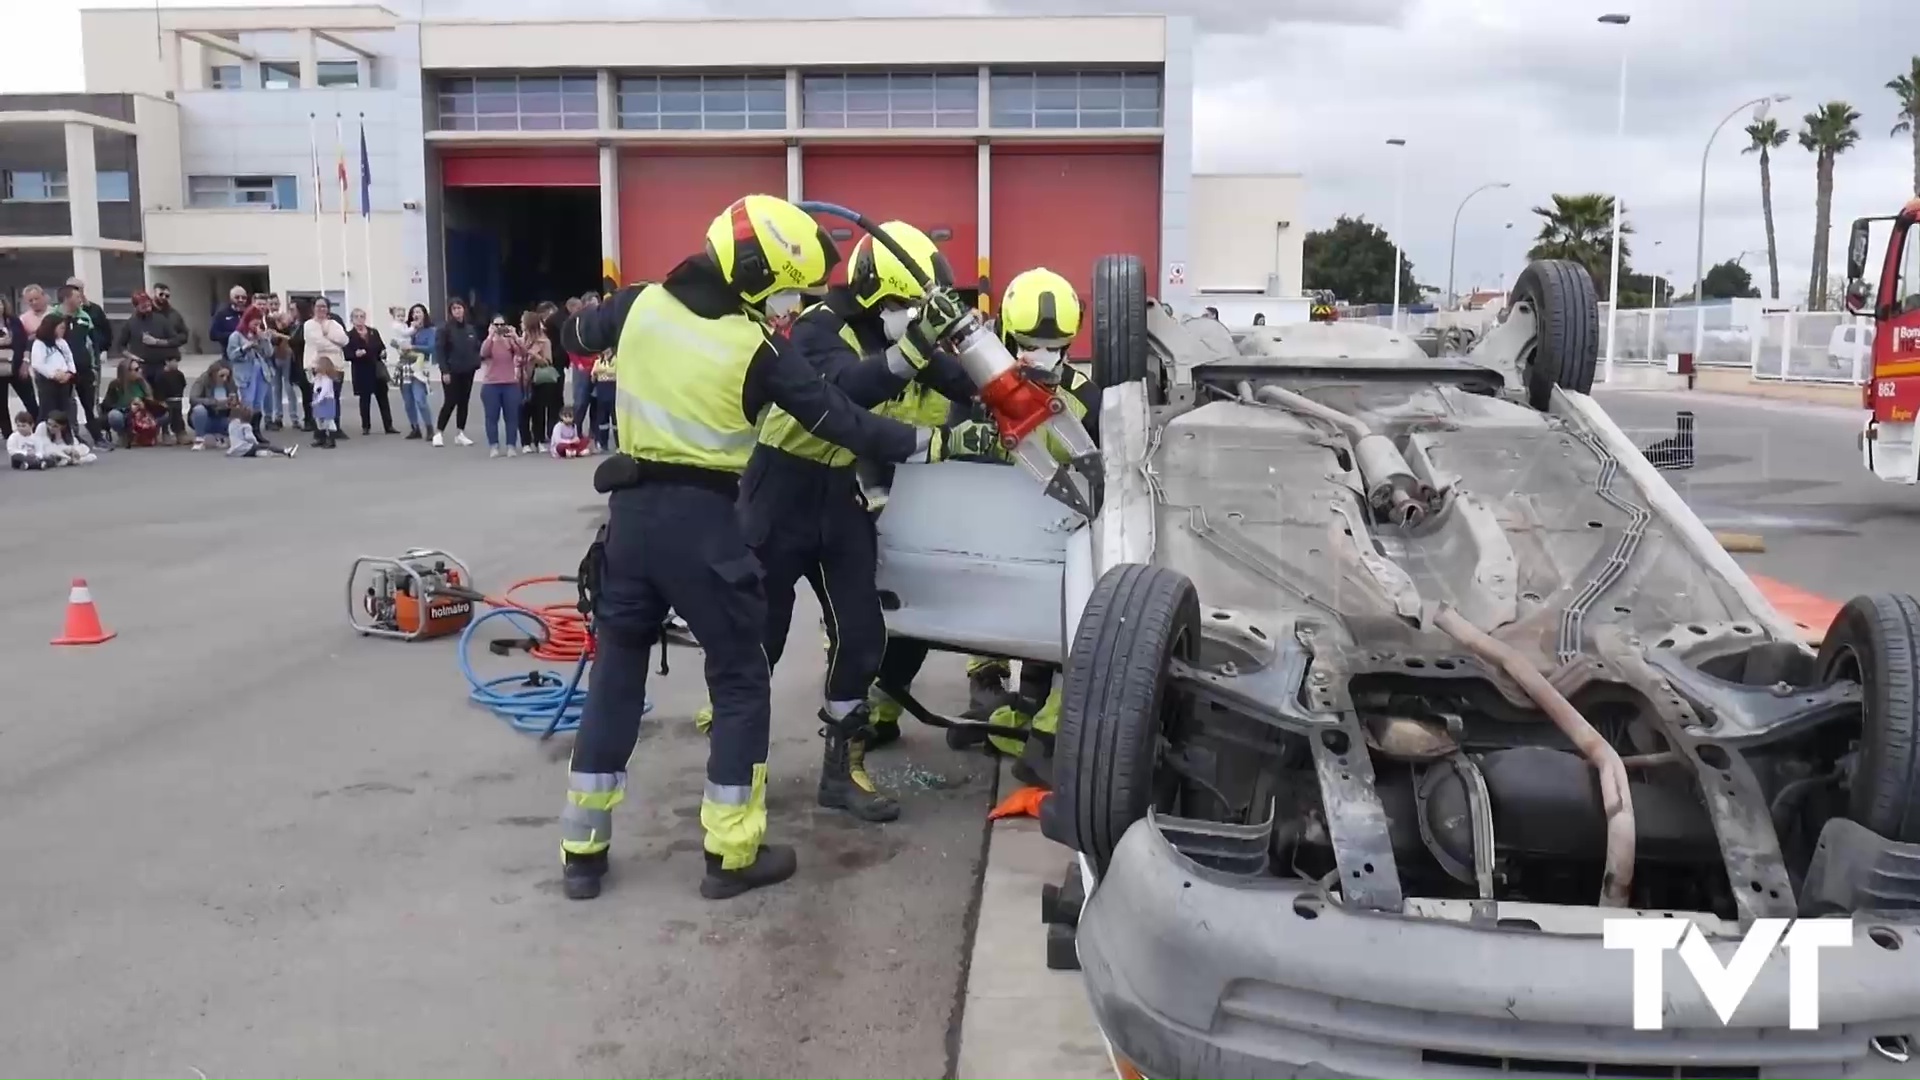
(1790, 346)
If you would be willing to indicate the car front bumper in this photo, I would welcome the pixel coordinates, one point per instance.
(1193, 973)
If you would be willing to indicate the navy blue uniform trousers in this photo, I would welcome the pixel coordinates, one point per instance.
(678, 547)
(806, 521)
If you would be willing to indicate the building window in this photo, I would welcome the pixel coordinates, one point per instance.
(1075, 99)
(224, 77)
(337, 73)
(890, 99)
(279, 75)
(519, 103)
(263, 192)
(36, 186)
(703, 102)
(112, 187)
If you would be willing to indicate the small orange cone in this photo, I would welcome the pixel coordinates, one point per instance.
(83, 619)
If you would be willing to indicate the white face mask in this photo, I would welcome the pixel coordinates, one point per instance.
(896, 321)
(1044, 359)
(782, 304)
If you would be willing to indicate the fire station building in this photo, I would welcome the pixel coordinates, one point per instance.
(512, 157)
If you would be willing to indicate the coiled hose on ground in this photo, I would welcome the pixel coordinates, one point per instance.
(538, 701)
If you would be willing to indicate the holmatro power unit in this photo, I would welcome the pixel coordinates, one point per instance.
(421, 594)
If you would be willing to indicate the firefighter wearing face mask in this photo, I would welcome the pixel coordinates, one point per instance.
(696, 369)
(801, 503)
(1039, 315)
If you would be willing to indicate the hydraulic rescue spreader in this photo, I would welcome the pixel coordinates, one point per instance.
(1024, 411)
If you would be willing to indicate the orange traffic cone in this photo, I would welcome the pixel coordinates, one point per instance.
(83, 619)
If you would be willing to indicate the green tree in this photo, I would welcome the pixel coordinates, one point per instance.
(1727, 279)
(1830, 132)
(1907, 89)
(1580, 228)
(1767, 136)
(1354, 258)
(1638, 290)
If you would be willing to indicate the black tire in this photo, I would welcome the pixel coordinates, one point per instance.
(1876, 640)
(1566, 343)
(1120, 350)
(1114, 702)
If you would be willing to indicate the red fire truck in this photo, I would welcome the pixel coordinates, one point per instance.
(1889, 445)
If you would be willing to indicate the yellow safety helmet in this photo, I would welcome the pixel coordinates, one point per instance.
(1321, 313)
(877, 274)
(764, 245)
(1040, 309)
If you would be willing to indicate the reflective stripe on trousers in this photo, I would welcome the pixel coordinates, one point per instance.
(735, 818)
(586, 825)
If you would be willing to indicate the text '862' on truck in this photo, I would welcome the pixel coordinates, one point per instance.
(1392, 677)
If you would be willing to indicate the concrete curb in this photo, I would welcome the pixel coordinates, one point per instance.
(1019, 1018)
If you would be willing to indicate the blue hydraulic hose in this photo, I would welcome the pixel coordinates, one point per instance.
(538, 702)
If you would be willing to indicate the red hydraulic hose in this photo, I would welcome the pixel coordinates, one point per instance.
(564, 633)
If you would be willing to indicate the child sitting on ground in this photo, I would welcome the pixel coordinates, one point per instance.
(243, 441)
(58, 446)
(603, 384)
(23, 447)
(143, 423)
(170, 397)
(566, 440)
(326, 403)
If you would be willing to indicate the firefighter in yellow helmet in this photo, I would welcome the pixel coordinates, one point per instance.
(802, 508)
(1039, 316)
(696, 368)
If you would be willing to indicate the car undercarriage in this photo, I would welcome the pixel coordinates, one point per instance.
(1391, 677)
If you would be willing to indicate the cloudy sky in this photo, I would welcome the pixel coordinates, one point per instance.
(1516, 90)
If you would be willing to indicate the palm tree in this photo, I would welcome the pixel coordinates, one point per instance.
(1830, 131)
(1580, 228)
(1767, 136)
(1907, 89)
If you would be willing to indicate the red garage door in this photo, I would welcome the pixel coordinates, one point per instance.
(545, 167)
(934, 187)
(668, 197)
(1062, 208)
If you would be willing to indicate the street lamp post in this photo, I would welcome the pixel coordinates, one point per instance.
(1399, 203)
(1759, 107)
(1453, 298)
(1506, 247)
(1619, 168)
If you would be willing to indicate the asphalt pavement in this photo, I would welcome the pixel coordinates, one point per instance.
(1791, 473)
(240, 840)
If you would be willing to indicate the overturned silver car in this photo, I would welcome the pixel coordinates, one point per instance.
(1390, 678)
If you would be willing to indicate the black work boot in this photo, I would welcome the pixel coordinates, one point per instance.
(581, 875)
(987, 690)
(774, 864)
(883, 733)
(319, 438)
(844, 784)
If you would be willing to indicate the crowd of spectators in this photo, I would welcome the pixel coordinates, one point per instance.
(290, 362)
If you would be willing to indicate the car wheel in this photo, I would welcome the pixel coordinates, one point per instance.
(1566, 319)
(1115, 702)
(1875, 640)
(1121, 353)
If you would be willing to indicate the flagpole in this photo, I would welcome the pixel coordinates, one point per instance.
(340, 159)
(319, 236)
(366, 216)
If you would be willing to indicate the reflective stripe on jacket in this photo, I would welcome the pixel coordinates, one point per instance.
(679, 380)
(782, 432)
